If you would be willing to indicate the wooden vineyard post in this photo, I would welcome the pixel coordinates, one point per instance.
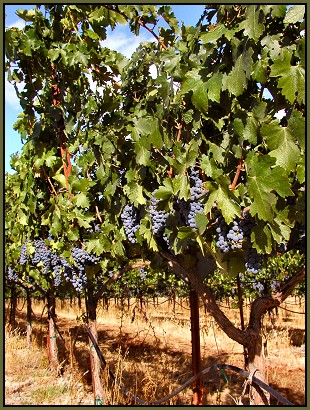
(29, 310)
(95, 365)
(52, 348)
(240, 303)
(195, 335)
(13, 305)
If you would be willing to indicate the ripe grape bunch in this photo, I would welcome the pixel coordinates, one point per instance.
(194, 206)
(253, 259)
(81, 258)
(12, 275)
(158, 217)
(24, 257)
(230, 236)
(131, 221)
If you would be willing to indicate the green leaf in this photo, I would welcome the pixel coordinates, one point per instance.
(224, 202)
(185, 232)
(295, 14)
(201, 223)
(193, 83)
(143, 152)
(261, 238)
(134, 191)
(22, 218)
(210, 167)
(253, 23)
(82, 200)
(263, 181)
(292, 77)
(214, 87)
(235, 82)
(61, 179)
(165, 192)
(281, 143)
(181, 186)
(251, 130)
(97, 246)
(73, 234)
(214, 33)
(27, 15)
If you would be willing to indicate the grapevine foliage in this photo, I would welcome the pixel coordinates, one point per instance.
(191, 160)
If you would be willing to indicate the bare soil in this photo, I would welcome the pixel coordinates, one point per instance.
(149, 351)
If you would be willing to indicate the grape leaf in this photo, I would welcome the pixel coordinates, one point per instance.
(224, 202)
(235, 82)
(261, 238)
(201, 223)
(82, 200)
(61, 179)
(282, 145)
(73, 234)
(263, 181)
(193, 83)
(252, 25)
(134, 191)
(295, 14)
(214, 87)
(292, 77)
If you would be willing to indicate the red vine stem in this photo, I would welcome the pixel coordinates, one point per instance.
(65, 155)
(239, 169)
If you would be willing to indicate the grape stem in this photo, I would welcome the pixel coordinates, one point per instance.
(64, 153)
(239, 169)
(98, 214)
(49, 181)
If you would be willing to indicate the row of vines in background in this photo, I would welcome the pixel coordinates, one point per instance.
(144, 281)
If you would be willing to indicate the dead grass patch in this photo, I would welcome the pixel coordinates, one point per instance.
(149, 352)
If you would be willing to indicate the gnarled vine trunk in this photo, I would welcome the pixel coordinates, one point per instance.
(251, 337)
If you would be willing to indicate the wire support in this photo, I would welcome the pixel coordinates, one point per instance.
(257, 383)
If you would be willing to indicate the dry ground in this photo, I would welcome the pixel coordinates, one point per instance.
(150, 352)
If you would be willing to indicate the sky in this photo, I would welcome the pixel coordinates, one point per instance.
(120, 39)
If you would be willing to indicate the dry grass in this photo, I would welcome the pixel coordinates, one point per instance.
(149, 351)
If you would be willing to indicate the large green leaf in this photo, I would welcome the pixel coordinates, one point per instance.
(296, 13)
(292, 77)
(281, 142)
(194, 83)
(263, 182)
(253, 24)
(225, 203)
(236, 81)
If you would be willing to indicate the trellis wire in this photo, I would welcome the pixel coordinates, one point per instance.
(258, 384)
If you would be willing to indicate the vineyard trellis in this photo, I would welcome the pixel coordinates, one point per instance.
(189, 174)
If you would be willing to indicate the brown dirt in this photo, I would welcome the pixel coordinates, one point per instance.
(152, 357)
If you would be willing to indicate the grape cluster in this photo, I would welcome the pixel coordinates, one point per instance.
(42, 254)
(259, 287)
(230, 236)
(253, 259)
(142, 273)
(12, 275)
(95, 229)
(78, 275)
(196, 190)
(131, 221)
(158, 217)
(23, 253)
